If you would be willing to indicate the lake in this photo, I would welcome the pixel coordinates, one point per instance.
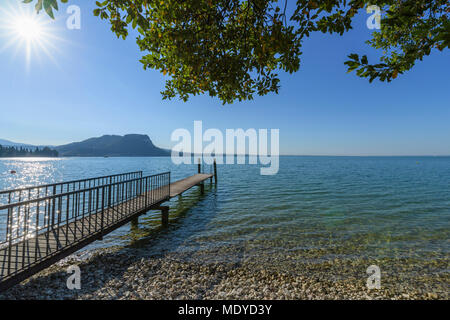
(329, 215)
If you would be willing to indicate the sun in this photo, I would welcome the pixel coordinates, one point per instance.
(26, 31)
(28, 28)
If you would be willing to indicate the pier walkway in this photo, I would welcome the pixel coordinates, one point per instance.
(45, 224)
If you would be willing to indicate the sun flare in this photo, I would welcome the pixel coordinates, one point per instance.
(27, 32)
(28, 28)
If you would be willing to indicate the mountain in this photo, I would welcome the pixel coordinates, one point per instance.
(130, 145)
(7, 143)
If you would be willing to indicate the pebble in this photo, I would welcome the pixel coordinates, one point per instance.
(115, 273)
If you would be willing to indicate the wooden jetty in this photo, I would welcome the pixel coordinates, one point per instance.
(47, 223)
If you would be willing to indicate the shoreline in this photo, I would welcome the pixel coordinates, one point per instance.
(130, 273)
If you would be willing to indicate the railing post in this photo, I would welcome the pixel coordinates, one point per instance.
(9, 235)
(109, 203)
(168, 196)
(103, 212)
(146, 193)
(140, 193)
(215, 171)
(68, 215)
(53, 207)
(109, 196)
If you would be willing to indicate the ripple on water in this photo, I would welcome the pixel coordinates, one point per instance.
(316, 211)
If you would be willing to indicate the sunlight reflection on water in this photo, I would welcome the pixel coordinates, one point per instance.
(329, 207)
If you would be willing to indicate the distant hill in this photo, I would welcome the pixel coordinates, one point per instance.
(13, 151)
(130, 145)
(7, 143)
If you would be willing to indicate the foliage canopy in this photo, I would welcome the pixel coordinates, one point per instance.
(233, 49)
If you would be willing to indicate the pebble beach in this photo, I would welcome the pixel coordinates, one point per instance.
(129, 273)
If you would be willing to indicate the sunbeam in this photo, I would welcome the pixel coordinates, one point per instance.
(27, 32)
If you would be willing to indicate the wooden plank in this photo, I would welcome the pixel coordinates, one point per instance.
(183, 185)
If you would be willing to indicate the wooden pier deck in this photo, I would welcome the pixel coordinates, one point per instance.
(183, 185)
(42, 231)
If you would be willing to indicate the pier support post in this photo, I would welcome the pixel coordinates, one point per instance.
(199, 166)
(202, 188)
(135, 223)
(164, 215)
(215, 171)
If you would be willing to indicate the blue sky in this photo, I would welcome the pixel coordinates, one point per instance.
(93, 84)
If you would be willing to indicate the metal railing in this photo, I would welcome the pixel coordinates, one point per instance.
(39, 228)
(35, 192)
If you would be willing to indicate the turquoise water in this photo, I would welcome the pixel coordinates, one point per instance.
(394, 211)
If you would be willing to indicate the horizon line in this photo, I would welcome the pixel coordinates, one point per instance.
(284, 155)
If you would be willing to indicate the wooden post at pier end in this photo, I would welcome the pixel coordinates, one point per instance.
(202, 186)
(215, 171)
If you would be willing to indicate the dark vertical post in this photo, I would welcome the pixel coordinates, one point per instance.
(82, 214)
(9, 235)
(165, 215)
(25, 230)
(141, 182)
(97, 207)
(47, 223)
(211, 172)
(109, 206)
(146, 193)
(215, 171)
(102, 213)
(53, 207)
(67, 215)
(202, 188)
(135, 223)
(168, 193)
(36, 245)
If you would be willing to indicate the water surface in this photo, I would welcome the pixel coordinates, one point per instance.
(392, 211)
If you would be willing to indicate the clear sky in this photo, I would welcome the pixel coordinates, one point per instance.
(90, 83)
